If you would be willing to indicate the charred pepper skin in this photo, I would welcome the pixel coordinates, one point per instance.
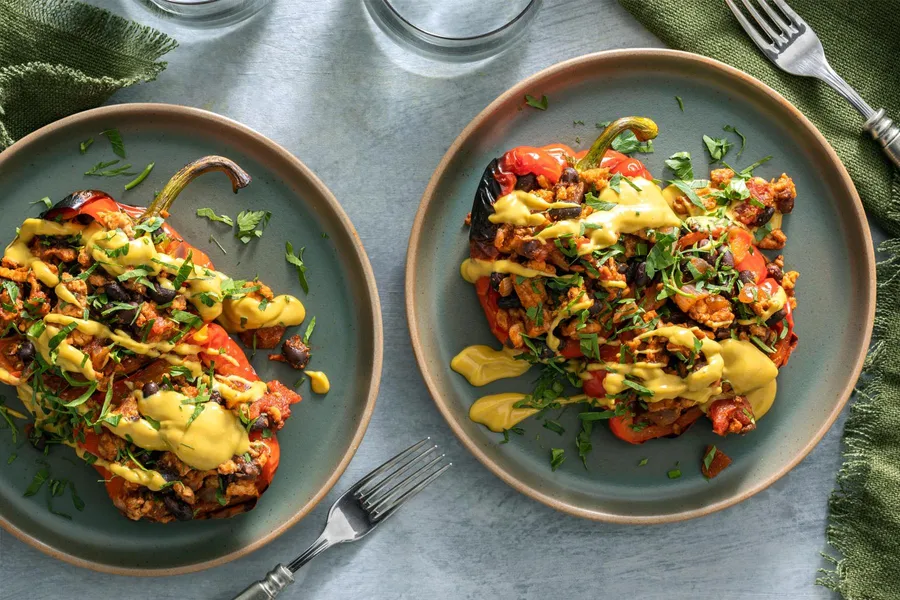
(482, 232)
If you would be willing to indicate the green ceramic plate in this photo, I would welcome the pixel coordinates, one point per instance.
(324, 432)
(829, 244)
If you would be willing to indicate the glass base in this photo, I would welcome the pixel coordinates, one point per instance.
(463, 47)
(205, 13)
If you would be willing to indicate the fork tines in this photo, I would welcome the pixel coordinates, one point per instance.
(774, 31)
(386, 488)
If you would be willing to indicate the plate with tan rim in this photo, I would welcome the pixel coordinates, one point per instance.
(829, 244)
(324, 432)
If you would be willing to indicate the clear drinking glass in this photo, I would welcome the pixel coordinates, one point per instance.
(206, 13)
(454, 30)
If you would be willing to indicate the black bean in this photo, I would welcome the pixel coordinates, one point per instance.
(747, 277)
(150, 388)
(26, 352)
(569, 175)
(178, 508)
(496, 278)
(160, 294)
(295, 352)
(776, 318)
(558, 214)
(775, 272)
(629, 272)
(727, 259)
(527, 182)
(216, 397)
(596, 308)
(622, 268)
(765, 216)
(125, 316)
(530, 249)
(115, 291)
(261, 422)
(640, 275)
(785, 205)
(248, 471)
(511, 301)
(168, 475)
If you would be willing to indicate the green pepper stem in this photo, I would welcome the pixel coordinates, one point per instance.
(644, 129)
(163, 201)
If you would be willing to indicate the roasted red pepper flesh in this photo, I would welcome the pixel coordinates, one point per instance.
(625, 429)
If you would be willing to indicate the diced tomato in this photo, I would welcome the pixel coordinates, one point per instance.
(717, 463)
(621, 427)
(213, 337)
(747, 257)
(731, 415)
(620, 163)
(91, 444)
(593, 387)
(571, 349)
(268, 470)
(523, 160)
(488, 297)
(692, 238)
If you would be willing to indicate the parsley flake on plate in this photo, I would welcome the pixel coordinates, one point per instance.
(297, 261)
(535, 103)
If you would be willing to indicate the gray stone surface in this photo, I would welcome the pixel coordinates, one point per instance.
(317, 78)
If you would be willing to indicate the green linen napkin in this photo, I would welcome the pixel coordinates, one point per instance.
(59, 57)
(861, 42)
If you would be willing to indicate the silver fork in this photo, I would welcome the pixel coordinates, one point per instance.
(789, 42)
(361, 509)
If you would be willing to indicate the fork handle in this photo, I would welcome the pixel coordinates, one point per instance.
(887, 134)
(268, 588)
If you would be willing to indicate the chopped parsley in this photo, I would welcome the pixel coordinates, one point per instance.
(45, 201)
(643, 462)
(680, 163)
(557, 458)
(674, 473)
(596, 203)
(115, 140)
(707, 460)
(680, 103)
(137, 180)
(83, 146)
(309, 330)
(554, 426)
(212, 216)
(535, 103)
(101, 169)
(297, 261)
(740, 135)
(717, 147)
(251, 223)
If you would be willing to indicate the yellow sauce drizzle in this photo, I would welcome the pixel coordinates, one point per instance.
(498, 412)
(634, 210)
(481, 365)
(282, 310)
(515, 208)
(68, 357)
(149, 478)
(472, 269)
(318, 381)
(213, 437)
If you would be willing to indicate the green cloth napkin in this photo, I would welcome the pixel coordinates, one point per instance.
(862, 43)
(59, 57)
